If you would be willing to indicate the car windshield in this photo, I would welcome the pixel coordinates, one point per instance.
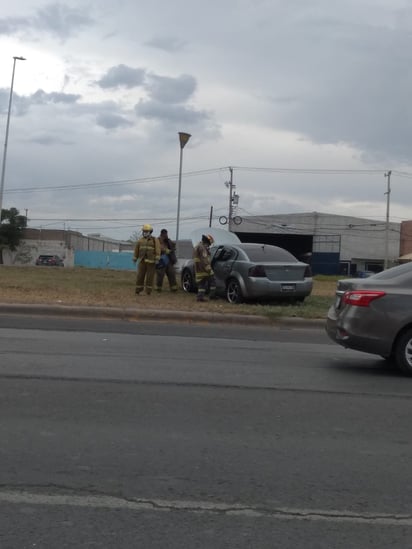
(262, 253)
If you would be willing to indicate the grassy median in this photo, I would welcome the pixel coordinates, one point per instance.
(110, 288)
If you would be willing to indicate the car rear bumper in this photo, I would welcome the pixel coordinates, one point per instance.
(347, 333)
(265, 288)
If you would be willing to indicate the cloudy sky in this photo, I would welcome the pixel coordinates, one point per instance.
(309, 102)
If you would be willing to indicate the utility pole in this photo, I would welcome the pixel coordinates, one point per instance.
(388, 194)
(210, 216)
(230, 198)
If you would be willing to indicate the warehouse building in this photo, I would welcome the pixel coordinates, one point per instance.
(333, 244)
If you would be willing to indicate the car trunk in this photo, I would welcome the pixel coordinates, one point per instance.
(285, 273)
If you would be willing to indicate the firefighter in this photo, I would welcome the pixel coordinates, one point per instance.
(203, 269)
(147, 253)
(166, 265)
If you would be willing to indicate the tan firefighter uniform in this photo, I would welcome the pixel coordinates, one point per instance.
(204, 274)
(147, 253)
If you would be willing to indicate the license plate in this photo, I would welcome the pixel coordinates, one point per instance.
(288, 287)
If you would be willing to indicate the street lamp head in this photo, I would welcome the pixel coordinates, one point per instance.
(19, 58)
(184, 138)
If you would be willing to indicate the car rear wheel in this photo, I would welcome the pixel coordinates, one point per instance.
(233, 291)
(403, 352)
(187, 281)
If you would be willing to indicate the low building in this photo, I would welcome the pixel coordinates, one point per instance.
(333, 244)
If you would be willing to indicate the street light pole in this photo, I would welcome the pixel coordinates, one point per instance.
(3, 169)
(183, 139)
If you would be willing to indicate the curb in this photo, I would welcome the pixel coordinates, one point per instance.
(134, 314)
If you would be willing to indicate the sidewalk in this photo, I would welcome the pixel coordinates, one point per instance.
(135, 314)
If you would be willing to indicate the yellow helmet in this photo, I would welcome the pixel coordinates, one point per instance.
(147, 227)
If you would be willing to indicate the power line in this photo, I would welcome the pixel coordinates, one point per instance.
(117, 183)
(317, 171)
(402, 174)
(197, 173)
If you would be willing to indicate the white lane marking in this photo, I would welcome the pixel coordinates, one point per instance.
(237, 510)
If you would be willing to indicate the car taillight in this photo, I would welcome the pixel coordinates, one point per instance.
(361, 298)
(257, 271)
(308, 272)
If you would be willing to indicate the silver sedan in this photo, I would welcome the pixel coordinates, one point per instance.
(254, 272)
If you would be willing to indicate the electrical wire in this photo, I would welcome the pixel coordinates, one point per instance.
(98, 184)
(197, 173)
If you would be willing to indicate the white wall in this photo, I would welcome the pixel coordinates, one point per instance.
(29, 250)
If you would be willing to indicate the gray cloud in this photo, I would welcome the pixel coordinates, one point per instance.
(22, 103)
(171, 90)
(49, 140)
(40, 97)
(56, 19)
(156, 110)
(122, 75)
(108, 114)
(111, 121)
(170, 44)
(11, 25)
(62, 20)
(341, 82)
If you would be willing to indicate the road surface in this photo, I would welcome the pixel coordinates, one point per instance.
(148, 435)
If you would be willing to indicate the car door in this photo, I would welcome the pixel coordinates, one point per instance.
(222, 264)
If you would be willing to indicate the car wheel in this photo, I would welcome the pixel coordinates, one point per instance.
(187, 281)
(403, 352)
(233, 291)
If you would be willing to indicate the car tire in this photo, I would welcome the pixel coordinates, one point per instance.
(403, 352)
(234, 291)
(188, 284)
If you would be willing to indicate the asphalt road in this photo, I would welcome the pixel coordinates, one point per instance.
(120, 434)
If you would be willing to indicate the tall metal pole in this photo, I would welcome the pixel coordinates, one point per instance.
(388, 194)
(210, 216)
(3, 169)
(230, 198)
(183, 139)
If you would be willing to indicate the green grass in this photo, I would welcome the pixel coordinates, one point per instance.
(111, 288)
(313, 307)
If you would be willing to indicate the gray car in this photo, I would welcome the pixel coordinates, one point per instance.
(254, 272)
(50, 261)
(374, 315)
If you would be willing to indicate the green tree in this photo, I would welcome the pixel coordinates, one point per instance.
(12, 225)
